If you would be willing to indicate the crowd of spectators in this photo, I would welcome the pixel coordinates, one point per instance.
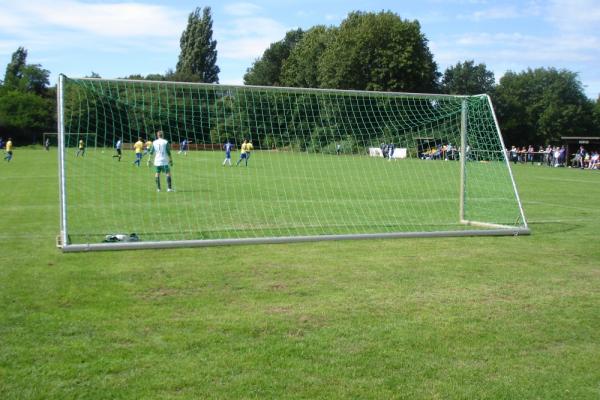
(555, 156)
(445, 152)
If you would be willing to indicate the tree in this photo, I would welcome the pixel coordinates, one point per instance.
(300, 68)
(468, 78)
(597, 117)
(539, 106)
(266, 70)
(27, 107)
(25, 77)
(25, 115)
(198, 57)
(379, 52)
(14, 69)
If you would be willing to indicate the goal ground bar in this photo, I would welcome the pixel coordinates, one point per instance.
(509, 231)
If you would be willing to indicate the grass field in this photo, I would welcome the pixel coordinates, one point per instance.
(279, 194)
(494, 317)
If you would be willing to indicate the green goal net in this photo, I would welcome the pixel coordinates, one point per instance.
(324, 164)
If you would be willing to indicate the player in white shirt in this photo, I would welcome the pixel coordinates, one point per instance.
(118, 149)
(162, 160)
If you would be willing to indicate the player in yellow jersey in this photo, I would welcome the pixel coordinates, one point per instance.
(246, 149)
(81, 149)
(138, 147)
(9, 150)
(147, 149)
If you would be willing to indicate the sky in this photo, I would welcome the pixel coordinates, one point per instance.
(120, 38)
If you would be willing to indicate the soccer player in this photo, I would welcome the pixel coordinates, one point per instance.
(81, 149)
(227, 147)
(138, 147)
(118, 149)
(245, 152)
(47, 144)
(183, 147)
(162, 160)
(147, 150)
(9, 150)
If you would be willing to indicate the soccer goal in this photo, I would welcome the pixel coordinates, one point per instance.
(309, 174)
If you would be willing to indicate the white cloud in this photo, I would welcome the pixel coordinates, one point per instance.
(517, 52)
(495, 13)
(241, 9)
(532, 8)
(246, 35)
(117, 20)
(575, 15)
(524, 49)
(7, 47)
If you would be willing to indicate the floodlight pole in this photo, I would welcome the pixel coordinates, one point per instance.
(61, 161)
(463, 159)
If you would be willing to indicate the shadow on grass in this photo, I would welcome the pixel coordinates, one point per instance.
(551, 227)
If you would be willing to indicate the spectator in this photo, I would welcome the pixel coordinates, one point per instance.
(556, 156)
(514, 154)
(579, 157)
(594, 160)
(548, 156)
(530, 152)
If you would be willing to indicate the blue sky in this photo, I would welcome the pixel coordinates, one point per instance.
(119, 38)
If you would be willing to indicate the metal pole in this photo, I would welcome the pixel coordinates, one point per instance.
(510, 231)
(463, 159)
(61, 160)
(285, 88)
(512, 179)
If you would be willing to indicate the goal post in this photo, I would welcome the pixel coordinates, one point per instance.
(308, 176)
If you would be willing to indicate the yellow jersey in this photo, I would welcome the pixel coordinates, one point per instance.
(138, 146)
(247, 148)
(81, 144)
(9, 146)
(148, 144)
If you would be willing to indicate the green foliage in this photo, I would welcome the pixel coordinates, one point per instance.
(25, 115)
(597, 115)
(467, 78)
(27, 106)
(300, 69)
(379, 52)
(348, 145)
(14, 69)
(198, 57)
(539, 106)
(25, 77)
(266, 71)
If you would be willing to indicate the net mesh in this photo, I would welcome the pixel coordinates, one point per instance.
(317, 167)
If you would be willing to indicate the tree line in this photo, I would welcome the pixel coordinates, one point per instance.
(367, 51)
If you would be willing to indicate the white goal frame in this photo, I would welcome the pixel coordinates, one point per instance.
(492, 229)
